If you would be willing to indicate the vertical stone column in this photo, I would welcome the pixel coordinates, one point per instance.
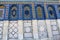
(5, 30)
(34, 23)
(35, 29)
(58, 23)
(58, 20)
(20, 29)
(48, 22)
(49, 29)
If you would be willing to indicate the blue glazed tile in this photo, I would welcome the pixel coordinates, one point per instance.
(27, 11)
(40, 12)
(2, 11)
(13, 12)
(51, 11)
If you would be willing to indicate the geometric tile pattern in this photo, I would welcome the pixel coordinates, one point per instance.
(55, 30)
(1, 29)
(42, 29)
(27, 24)
(28, 30)
(54, 27)
(12, 30)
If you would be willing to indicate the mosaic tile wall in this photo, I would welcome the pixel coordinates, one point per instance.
(29, 21)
